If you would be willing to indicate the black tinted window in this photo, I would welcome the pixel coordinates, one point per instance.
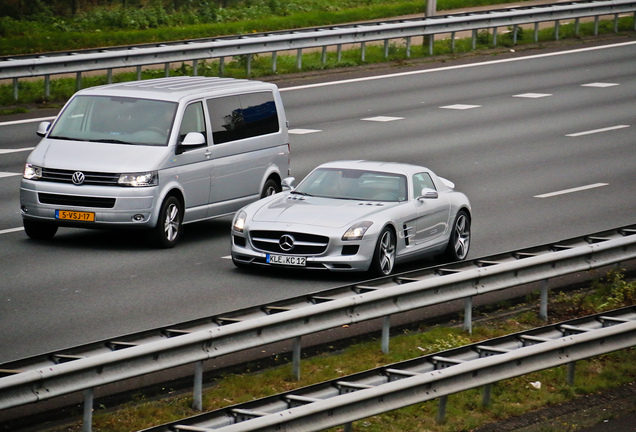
(243, 116)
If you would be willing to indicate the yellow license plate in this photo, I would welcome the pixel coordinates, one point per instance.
(75, 215)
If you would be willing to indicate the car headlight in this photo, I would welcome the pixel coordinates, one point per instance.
(357, 231)
(239, 221)
(138, 179)
(32, 172)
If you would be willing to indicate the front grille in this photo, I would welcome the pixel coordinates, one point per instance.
(304, 244)
(76, 201)
(91, 178)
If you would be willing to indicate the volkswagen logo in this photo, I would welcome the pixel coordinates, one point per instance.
(286, 242)
(78, 177)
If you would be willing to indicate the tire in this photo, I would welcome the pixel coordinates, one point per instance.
(384, 255)
(459, 241)
(169, 227)
(39, 230)
(271, 187)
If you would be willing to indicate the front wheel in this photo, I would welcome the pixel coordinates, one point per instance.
(169, 227)
(384, 255)
(39, 230)
(459, 241)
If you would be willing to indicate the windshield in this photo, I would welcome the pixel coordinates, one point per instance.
(354, 184)
(116, 120)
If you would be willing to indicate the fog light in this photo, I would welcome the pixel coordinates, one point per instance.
(138, 217)
(24, 209)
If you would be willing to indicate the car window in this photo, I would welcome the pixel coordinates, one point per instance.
(354, 184)
(421, 181)
(242, 116)
(193, 120)
(120, 120)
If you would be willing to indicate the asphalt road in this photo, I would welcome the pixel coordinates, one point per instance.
(542, 143)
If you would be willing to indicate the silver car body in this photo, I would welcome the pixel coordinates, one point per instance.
(73, 176)
(302, 229)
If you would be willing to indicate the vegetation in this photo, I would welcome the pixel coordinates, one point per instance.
(509, 398)
(64, 25)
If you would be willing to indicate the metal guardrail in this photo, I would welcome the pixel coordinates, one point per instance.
(434, 376)
(247, 45)
(84, 368)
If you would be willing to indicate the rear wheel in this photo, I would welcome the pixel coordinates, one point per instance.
(39, 230)
(271, 187)
(459, 241)
(169, 227)
(384, 255)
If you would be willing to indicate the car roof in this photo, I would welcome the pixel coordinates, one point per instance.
(176, 88)
(391, 167)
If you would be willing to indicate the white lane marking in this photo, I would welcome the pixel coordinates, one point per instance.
(567, 191)
(532, 95)
(8, 174)
(5, 151)
(382, 119)
(590, 132)
(33, 120)
(460, 107)
(455, 67)
(11, 230)
(303, 131)
(599, 85)
(227, 257)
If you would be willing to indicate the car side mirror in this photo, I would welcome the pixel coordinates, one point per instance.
(428, 193)
(193, 139)
(288, 183)
(43, 128)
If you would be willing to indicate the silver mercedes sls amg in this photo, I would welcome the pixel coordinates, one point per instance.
(355, 216)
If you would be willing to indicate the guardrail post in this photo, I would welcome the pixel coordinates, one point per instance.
(431, 42)
(408, 47)
(571, 371)
(296, 358)
(138, 73)
(452, 41)
(166, 69)
(386, 331)
(47, 86)
(634, 20)
(323, 55)
(616, 23)
(596, 25)
(386, 48)
(468, 314)
(543, 307)
(348, 427)
(441, 409)
(577, 26)
(536, 32)
(485, 395)
(363, 51)
(221, 66)
(109, 76)
(339, 52)
(299, 59)
(78, 81)
(197, 393)
(248, 64)
(87, 426)
(494, 36)
(274, 58)
(195, 67)
(474, 40)
(515, 29)
(15, 88)
(556, 30)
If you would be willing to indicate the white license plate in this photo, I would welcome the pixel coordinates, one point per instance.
(286, 260)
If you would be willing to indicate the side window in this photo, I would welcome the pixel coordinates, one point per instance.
(242, 116)
(193, 120)
(421, 181)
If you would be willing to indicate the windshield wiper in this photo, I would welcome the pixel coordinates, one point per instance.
(110, 141)
(302, 193)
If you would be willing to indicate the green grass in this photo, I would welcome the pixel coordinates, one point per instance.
(464, 410)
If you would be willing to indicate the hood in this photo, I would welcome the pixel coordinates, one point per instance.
(324, 212)
(99, 157)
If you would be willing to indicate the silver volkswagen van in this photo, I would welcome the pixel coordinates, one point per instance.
(155, 155)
